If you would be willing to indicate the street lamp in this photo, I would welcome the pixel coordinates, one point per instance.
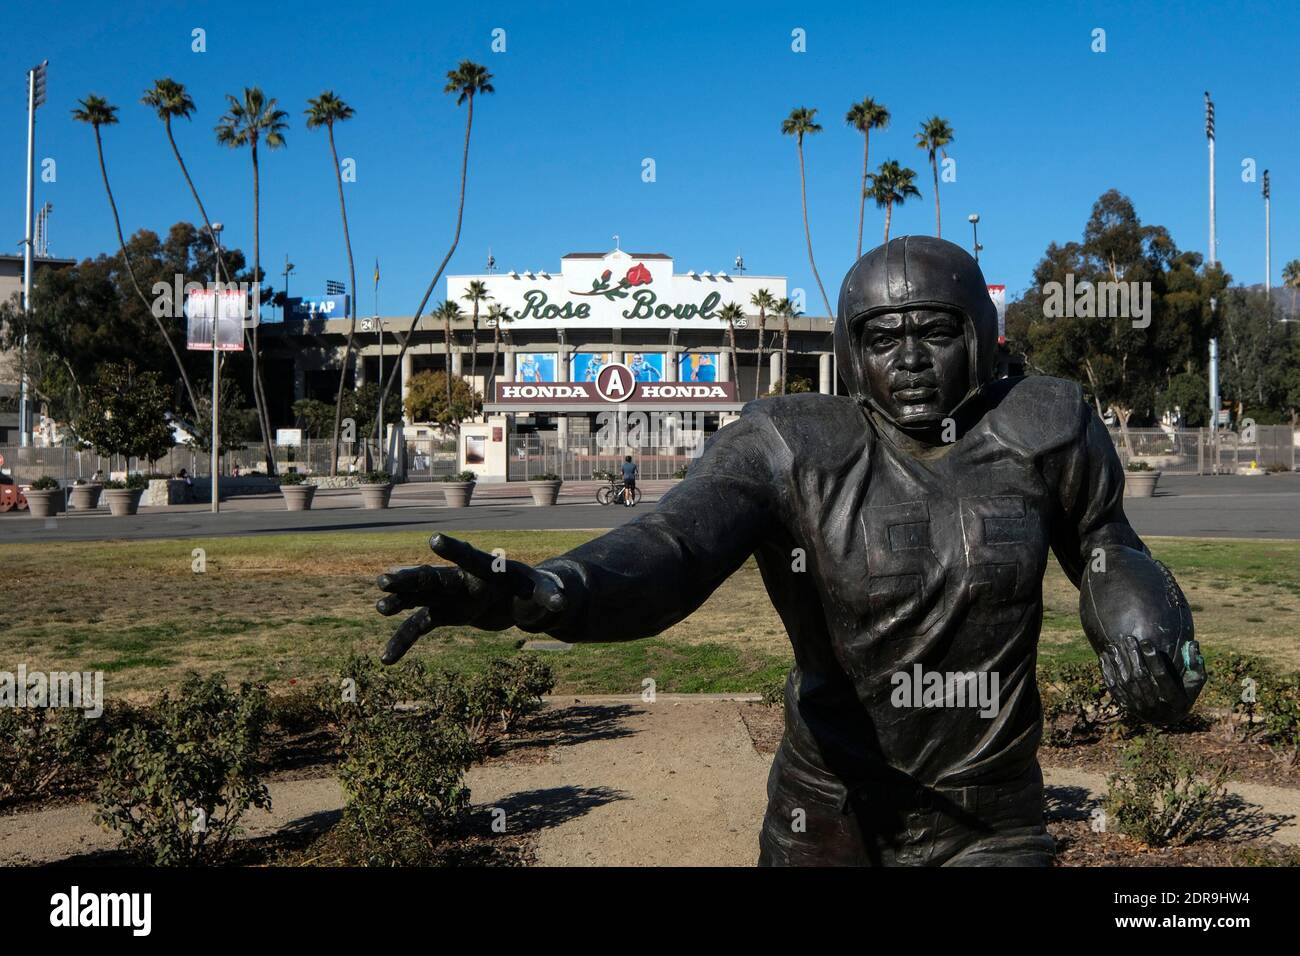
(35, 98)
(974, 220)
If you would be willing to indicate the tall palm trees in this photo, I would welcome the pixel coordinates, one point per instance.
(499, 316)
(475, 292)
(449, 312)
(98, 112)
(731, 313)
(890, 186)
(326, 110)
(468, 80)
(761, 300)
(800, 123)
(864, 117)
(933, 136)
(786, 310)
(248, 122)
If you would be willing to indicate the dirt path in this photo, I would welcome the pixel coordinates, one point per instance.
(627, 783)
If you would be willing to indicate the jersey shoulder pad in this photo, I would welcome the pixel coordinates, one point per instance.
(813, 429)
(1037, 413)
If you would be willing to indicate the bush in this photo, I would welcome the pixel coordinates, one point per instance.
(1138, 466)
(40, 749)
(292, 478)
(377, 478)
(136, 482)
(403, 766)
(45, 483)
(1076, 703)
(1158, 796)
(1280, 701)
(1235, 681)
(460, 476)
(774, 692)
(680, 472)
(546, 476)
(176, 786)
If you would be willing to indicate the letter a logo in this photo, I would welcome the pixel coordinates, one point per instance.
(615, 383)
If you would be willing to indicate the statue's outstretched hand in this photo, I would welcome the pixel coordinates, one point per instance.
(484, 590)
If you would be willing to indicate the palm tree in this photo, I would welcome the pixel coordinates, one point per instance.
(786, 310)
(468, 80)
(891, 185)
(762, 300)
(800, 123)
(934, 135)
(731, 313)
(326, 110)
(248, 122)
(475, 292)
(1291, 277)
(864, 117)
(499, 316)
(98, 112)
(449, 312)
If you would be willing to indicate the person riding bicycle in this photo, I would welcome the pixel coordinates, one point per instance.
(629, 476)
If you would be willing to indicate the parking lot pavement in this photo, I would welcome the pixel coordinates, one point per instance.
(1227, 506)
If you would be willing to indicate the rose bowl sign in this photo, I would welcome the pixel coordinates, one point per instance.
(613, 386)
(617, 290)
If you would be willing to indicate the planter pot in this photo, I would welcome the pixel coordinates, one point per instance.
(123, 501)
(86, 497)
(1140, 484)
(298, 497)
(43, 504)
(376, 496)
(545, 492)
(457, 493)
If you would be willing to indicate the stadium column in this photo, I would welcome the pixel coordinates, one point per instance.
(824, 373)
(670, 366)
(774, 371)
(407, 370)
(508, 366)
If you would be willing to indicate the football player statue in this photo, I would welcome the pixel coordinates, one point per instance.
(902, 533)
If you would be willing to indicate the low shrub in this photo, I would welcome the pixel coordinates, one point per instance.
(546, 476)
(680, 472)
(45, 483)
(137, 482)
(1280, 702)
(1076, 703)
(460, 476)
(41, 748)
(292, 478)
(774, 692)
(1159, 796)
(377, 478)
(176, 786)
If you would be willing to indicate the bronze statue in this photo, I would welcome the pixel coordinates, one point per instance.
(902, 533)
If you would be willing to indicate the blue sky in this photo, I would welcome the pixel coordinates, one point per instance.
(585, 92)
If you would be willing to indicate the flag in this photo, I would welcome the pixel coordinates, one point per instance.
(376, 270)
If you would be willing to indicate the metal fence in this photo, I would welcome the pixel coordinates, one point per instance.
(1202, 451)
(580, 457)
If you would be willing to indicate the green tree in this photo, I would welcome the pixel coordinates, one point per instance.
(761, 300)
(97, 112)
(1291, 279)
(475, 293)
(448, 312)
(248, 122)
(238, 422)
(314, 416)
(500, 316)
(126, 413)
(891, 185)
(426, 398)
(800, 123)
(864, 117)
(326, 110)
(786, 310)
(731, 313)
(467, 81)
(933, 136)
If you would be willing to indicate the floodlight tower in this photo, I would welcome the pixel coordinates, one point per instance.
(35, 98)
(1212, 260)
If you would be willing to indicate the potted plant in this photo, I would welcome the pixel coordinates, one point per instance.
(297, 493)
(545, 488)
(85, 495)
(680, 473)
(376, 489)
(43, 497)
(123, 497)
(1140, 480)
(458, 488)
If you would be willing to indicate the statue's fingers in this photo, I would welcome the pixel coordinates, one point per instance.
(548, 591)
(412, 580)
(391, 604)
(1166, 683)
(463, 555)
(410, 631)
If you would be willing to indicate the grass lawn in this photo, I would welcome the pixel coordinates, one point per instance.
(282, 607)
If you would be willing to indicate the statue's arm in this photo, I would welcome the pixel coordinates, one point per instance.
(1133, 612)
(647, 575)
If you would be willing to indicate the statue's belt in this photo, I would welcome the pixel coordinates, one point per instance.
(901, 793)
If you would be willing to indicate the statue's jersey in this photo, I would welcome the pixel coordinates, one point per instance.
(911, 587)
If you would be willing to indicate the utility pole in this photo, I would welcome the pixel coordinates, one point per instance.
(1268, 252)
(1212, 260)
(974, 220)
(35, 97)
(216, 371)
(288, 271)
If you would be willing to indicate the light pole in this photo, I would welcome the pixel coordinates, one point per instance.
(35, 97)
(1268, 252)
(216, 371)
(288, 271)
(974, 220)
(1211, 260)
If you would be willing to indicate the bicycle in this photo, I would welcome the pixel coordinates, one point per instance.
(614, 491)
